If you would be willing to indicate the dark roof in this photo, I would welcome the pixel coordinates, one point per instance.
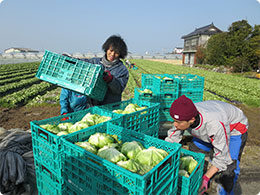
(205, 30)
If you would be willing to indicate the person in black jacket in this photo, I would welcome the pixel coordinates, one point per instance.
(116, 76)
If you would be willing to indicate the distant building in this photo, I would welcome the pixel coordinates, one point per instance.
(198, 37)
(19, 50)
(178, 50)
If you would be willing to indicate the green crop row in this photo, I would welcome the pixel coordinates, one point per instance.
(230, 87)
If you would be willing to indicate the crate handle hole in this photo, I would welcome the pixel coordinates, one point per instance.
(168, 95)
(71, 62)
(147, 95)
(43, 134)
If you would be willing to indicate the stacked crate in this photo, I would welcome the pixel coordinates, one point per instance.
(87, 173)
(168, 87)
(47, 149)
(144, 121)
(190, 85)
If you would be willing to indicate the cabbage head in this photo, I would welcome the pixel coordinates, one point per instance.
(111, 154)
(183, 173)
(130, 108)
(130, 165)
(100, 139)
(102, 119)
(151, 156)
(87, 146)
(188, 163)
(62, 133)
(131, 149)
(146, 91)
(115, 145)
(118, 111)
(51, 128)
(78, 126)
(65, 126)
(90, 119)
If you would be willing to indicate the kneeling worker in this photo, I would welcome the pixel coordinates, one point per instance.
(216, 126)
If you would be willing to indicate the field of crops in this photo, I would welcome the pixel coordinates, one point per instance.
(20, 87)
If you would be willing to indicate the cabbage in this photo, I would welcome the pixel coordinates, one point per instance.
(118, 111)
(188, 163)
(115, 145)
(65, 126)
(141, 108)
(90, 119)
(87, 146)
(62, 133)
(147, 91)
(183, 173)
(102, 119)
(131, 149)
(111, 154)
(151, 156)
(130, 108)
(51, 128)
(130, 165)
(78, 126)
(116, 139)
(100, 139)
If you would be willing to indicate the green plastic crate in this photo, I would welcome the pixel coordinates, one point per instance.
(189, 82)
(194, 95)
(48, 183)
(190, 185)
(165, 114)
(47, 146)
(87, 173)
(166, 84)
(73, 74)
(137, 121)
(150, 97)
(147, 79)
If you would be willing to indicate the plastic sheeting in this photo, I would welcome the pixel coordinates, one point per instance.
(17, 171)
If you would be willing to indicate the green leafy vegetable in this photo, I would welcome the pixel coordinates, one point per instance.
(100, 139)
(111, 154)
(131, 149)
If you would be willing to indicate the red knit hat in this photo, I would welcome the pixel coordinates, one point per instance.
(183, 109)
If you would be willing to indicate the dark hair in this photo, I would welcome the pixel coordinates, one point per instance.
(117, 43)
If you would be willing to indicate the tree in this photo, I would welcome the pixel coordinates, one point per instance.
(200, 54)
(254, 43)
(216, 49)
(238, 48)
(238, 37)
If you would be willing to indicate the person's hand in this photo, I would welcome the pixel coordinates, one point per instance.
(65, 118)
(107, 76)
(204, 185)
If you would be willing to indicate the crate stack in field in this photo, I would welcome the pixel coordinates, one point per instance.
(86, 173)
(165, 88)
(47, 146)
(48, 152)
(62, 167)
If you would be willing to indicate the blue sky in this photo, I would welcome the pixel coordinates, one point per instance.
(83, 25)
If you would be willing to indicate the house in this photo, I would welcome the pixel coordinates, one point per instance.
(19, 50)
(198, 37)
(178, 50)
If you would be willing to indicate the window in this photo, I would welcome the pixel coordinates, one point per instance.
(194, 42)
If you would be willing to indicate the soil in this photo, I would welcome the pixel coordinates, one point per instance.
(249, 179)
